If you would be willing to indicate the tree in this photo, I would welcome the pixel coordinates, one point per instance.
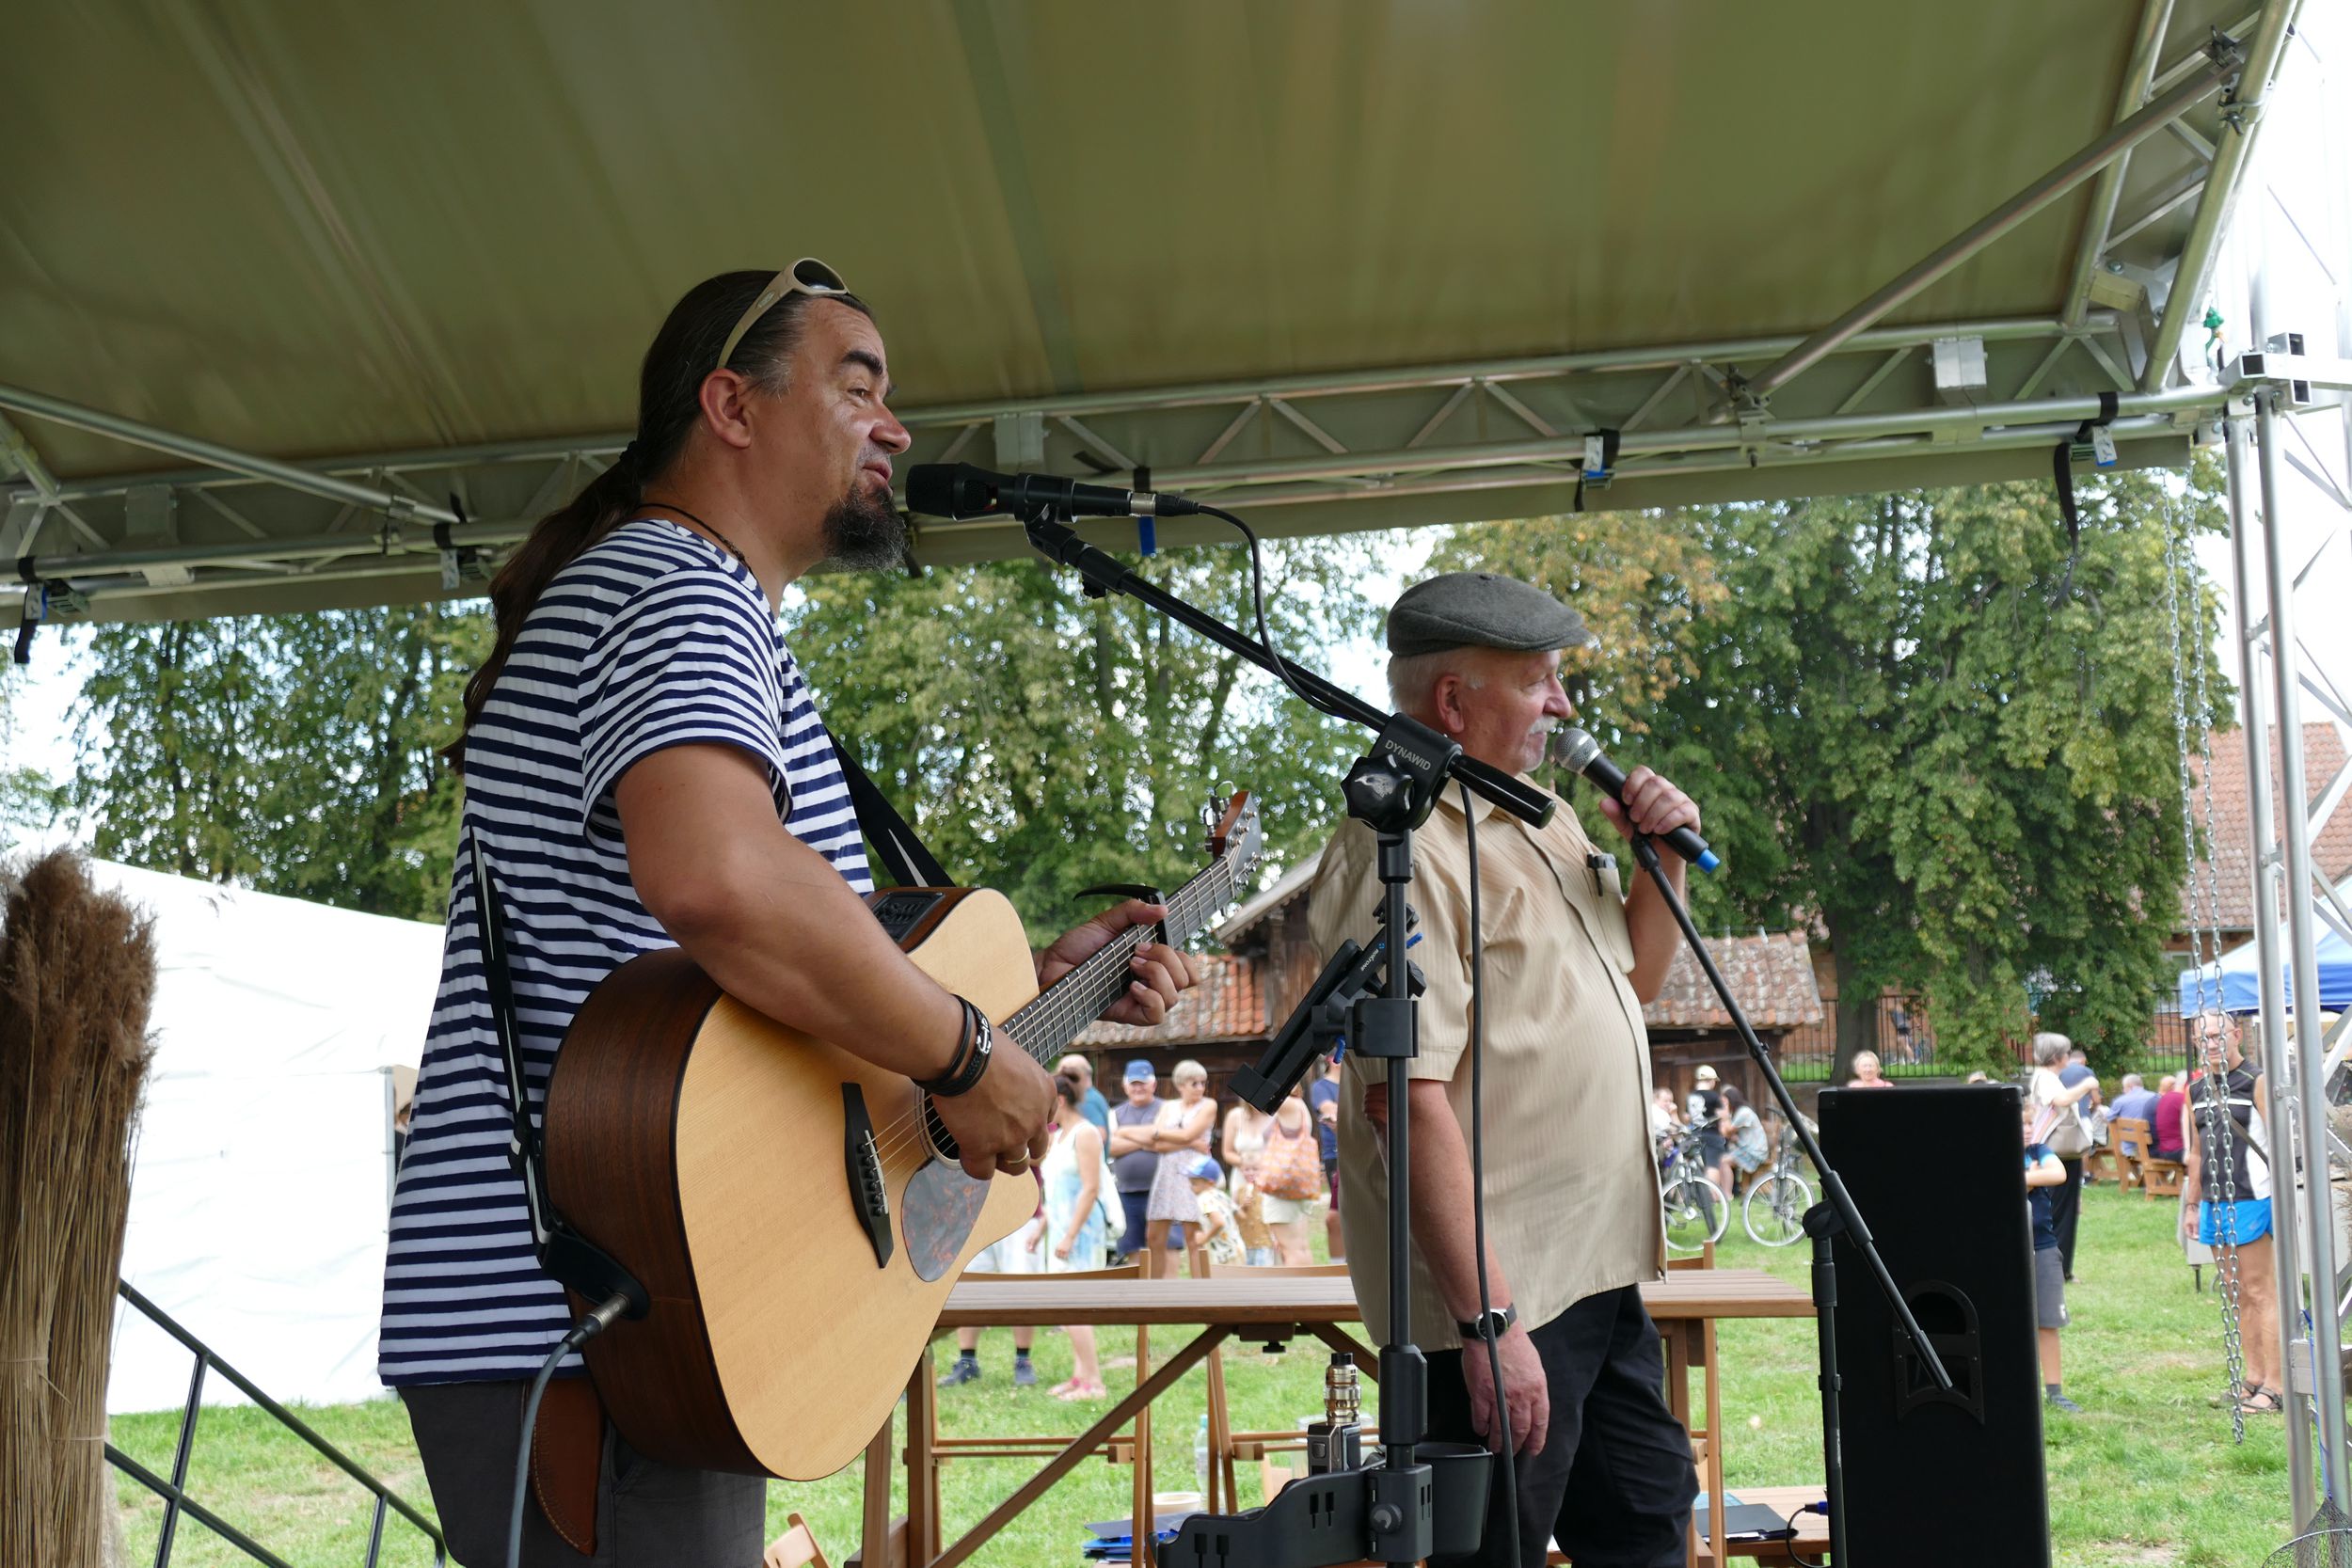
(291, 753)
(28, 798)
(1042, 741)
(1933, 728)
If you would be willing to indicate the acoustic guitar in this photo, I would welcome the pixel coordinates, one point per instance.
(797, 1214)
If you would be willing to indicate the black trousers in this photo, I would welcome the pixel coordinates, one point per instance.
(649, 1515)
(1615, 1482)
(2066, 1212)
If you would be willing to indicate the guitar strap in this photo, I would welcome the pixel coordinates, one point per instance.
(902, 853)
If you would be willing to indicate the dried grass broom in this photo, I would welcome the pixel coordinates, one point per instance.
(77, 974)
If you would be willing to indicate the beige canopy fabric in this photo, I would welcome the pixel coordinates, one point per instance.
(422, 246)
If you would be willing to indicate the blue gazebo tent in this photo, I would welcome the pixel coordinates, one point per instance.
(2239, 975)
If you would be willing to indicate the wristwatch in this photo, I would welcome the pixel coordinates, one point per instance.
(1489, 1325)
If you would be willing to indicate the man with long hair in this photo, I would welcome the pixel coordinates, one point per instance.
(644, 765)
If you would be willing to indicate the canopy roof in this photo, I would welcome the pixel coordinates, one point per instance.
(1351, 265)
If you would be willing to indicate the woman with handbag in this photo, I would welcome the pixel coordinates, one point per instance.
(2058, 1125)
(1290, 1174)
(1072, 1176)
(1181, 1134)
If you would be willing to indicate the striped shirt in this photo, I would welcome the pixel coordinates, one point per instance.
(651, 639)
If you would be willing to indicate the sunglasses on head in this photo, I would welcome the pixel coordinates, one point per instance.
(807, 275)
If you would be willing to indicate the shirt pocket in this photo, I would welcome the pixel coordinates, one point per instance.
(1599, 894)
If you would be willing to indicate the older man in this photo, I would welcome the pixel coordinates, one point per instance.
(1572, 1214)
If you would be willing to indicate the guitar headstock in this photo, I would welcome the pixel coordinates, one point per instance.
(1235, 838)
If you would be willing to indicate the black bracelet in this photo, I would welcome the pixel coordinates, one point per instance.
(963, 1073)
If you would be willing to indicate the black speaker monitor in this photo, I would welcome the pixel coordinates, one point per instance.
(1935, 1477)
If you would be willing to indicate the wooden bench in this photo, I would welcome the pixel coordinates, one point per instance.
(2155, 1177)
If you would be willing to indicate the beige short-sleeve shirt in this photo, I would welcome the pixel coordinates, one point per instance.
(1572, 1205)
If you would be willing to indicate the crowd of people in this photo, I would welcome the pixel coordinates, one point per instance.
(1156, 1178)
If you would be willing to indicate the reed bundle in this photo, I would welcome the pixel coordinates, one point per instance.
(77, 974)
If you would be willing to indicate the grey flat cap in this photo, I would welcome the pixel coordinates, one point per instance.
(1480, 610)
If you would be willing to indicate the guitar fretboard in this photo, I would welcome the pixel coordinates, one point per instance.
(1047, 1025)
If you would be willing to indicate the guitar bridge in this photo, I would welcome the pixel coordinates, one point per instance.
(862, 1163)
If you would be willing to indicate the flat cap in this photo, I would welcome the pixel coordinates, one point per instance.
(1480, 610)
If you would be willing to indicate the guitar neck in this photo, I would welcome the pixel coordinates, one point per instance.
(1047, 1025)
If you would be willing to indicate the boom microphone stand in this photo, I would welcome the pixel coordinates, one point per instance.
(1823, 1221)
(1388, 1513)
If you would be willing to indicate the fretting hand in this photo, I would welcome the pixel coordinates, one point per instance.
(1156, 973)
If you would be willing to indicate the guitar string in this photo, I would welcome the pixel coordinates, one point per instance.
(1188, 909)
(1075, 999)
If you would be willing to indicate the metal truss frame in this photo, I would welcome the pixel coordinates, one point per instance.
(2299, 1061)
(1854, 405)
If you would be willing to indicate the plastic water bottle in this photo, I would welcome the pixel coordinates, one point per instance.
(1201, 1457)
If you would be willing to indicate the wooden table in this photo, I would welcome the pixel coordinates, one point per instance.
(1685, 1306)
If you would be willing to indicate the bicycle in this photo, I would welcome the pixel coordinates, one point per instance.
(1696, 1210)
(1777, 1201)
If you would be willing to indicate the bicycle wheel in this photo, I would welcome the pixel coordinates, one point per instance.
(1774, 1211)
(1695, 1213)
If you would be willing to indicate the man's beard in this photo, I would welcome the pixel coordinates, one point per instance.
(864, 532)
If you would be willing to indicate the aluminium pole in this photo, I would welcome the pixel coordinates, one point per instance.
(2155, 16)
(2265, 859)
(2081, 166)
(2310, 1101)
(58, 411)
(2241, 119)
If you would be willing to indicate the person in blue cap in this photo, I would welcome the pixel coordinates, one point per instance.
(1135, 1159)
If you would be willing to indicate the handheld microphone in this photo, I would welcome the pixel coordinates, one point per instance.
(961, 490)
(1578, 752)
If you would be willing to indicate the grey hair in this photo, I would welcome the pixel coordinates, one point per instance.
(2049, 1050)
(2134, 1081)
(1188, 1069)
(1412, 676)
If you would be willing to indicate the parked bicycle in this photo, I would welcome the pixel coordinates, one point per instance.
(1696, 1209)
(1777, 1199)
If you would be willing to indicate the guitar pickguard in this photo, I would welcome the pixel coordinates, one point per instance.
(936, 1213)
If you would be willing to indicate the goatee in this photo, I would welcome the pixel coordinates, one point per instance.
(864, 532)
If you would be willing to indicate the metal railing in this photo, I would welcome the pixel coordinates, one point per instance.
(1905, 1040)
(173, 1491)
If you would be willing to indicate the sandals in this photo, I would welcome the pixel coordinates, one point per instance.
(1077, 1390)
(2258, 1401)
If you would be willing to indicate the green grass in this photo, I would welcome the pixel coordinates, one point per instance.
(2147, 1476)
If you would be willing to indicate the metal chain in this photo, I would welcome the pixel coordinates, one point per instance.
(2206, 892)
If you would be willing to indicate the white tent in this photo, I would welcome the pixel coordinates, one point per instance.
(262, 1180)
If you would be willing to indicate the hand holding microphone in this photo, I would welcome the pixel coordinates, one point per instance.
(1644, 804)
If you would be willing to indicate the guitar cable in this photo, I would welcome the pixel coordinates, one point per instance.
(1478, 1187)
(595, 1321)
(1477, 1032)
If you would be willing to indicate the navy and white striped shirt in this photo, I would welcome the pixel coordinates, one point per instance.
(652, 638)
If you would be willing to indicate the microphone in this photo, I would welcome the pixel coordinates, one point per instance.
(961, 490)
(1578, 752)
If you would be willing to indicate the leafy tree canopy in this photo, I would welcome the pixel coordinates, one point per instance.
(1042, 742)
(292, 754)
(1927, 724)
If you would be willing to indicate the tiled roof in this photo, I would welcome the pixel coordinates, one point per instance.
(1771, 976)
(1289, 885)
(2232, 852)
(1229, 1004)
